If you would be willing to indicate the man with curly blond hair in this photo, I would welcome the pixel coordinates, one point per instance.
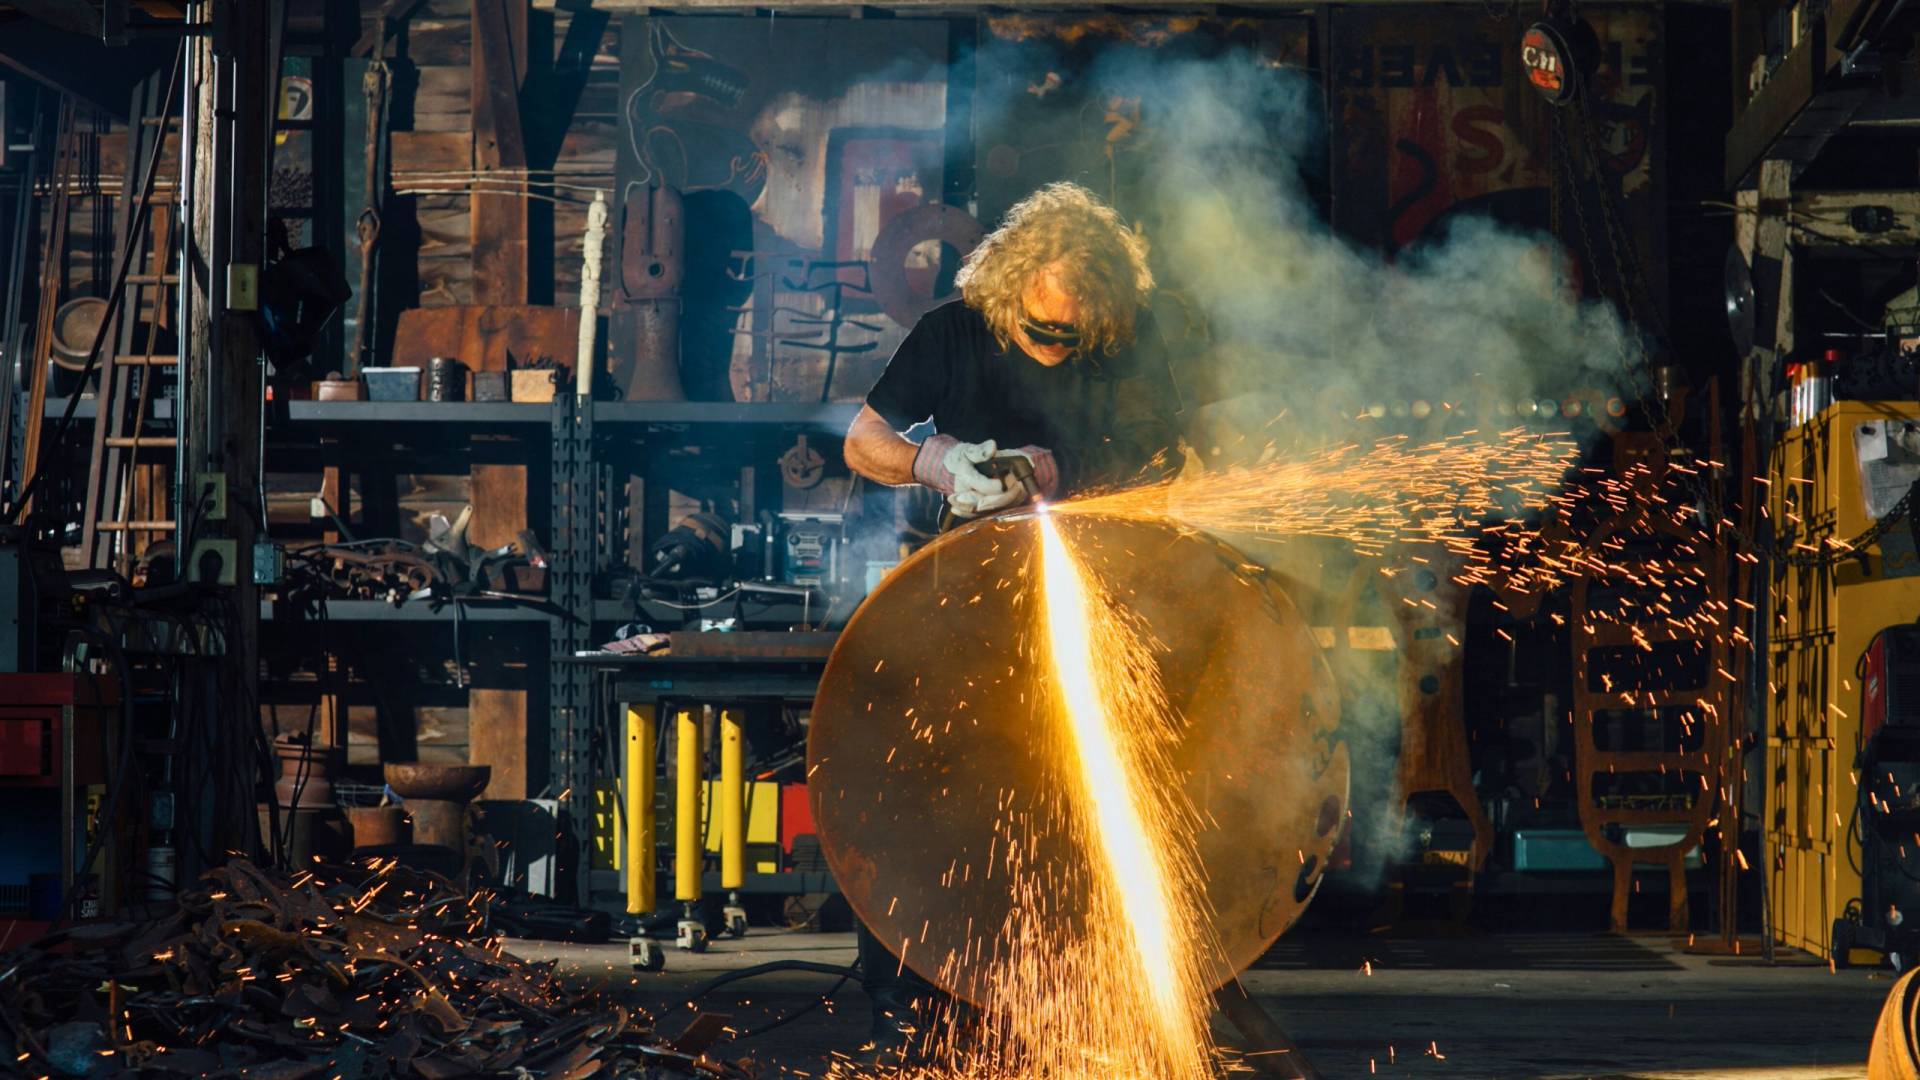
(1050, 353)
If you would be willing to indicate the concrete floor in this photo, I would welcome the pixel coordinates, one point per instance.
(1495, 1006)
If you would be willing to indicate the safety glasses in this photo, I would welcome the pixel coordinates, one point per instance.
(1042, 332)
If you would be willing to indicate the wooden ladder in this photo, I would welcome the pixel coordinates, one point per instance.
(130, 470)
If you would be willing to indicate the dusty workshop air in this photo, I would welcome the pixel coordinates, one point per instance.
(549, 539)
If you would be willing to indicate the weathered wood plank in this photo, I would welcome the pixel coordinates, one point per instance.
(430, 159)
(440, 735)
(445, 235)
(446, 287)
(442, 42)
(482, 335)
(499, 217)
(499, 504)
(416, 152)
(443, 99)
(497, 730)
(442, 726)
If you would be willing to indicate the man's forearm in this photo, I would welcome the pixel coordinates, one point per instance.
(877, 452)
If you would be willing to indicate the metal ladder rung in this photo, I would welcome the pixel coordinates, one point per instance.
(135, 526)
(153, 279)
(141, 442)
(136, 360)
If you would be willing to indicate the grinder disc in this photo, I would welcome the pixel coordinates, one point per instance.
(923, 737)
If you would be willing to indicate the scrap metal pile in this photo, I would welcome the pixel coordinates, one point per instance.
(381, 972)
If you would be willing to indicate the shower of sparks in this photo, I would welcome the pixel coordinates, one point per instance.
(1370, 496)
(1098, 697)
(1100, 968)
(1508, 508)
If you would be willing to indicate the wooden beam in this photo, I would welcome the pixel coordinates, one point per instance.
(497, 736)
(497, 719)
(1746, 236)
(219, 417)
(1773, 261)
(1825, 221)
(377, 34)
(499, 146)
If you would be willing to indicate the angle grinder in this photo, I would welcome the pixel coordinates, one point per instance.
(1008, 468)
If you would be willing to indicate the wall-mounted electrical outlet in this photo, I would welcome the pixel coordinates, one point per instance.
(210, 497)
(243, 287)
(211, 562)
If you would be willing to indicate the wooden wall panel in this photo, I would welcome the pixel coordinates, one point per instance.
(431, 160)
(442, 100)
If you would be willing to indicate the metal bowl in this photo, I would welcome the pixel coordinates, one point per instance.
(75, 324)
(454, 783)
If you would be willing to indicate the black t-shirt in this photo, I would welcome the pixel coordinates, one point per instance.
(1105, 418)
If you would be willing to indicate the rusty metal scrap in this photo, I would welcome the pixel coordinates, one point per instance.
(390, 571)
(376, 971)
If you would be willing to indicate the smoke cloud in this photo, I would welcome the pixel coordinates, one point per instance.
(1287, 337)
(1483, 313)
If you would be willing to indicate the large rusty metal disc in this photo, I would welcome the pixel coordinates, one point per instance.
(923, 735)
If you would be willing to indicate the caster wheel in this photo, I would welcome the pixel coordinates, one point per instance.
(647, 955)
(1841, 943)
(693, 936)
(736, 922)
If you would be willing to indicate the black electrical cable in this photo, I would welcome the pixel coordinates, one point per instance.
(303, 773)
(136, 229)
(768, 968)
(300, 776)
(243, 820)
(844, 972)
(795, 1014)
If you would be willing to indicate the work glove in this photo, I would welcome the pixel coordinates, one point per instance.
(950, 467)
(966, 504)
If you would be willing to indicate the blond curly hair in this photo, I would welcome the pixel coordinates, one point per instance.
(1097, 258)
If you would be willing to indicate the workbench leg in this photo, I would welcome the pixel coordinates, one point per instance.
(733, 826)
(639, 791)
(689, 848)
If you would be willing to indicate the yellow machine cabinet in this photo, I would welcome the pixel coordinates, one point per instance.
(1821, 619)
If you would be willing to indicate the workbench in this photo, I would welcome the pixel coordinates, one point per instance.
(716, 668)
(721, 669)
